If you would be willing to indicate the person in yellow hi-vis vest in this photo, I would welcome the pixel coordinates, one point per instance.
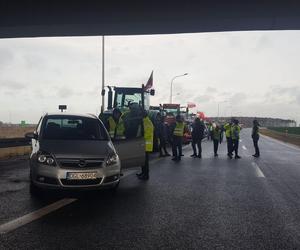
(148, 131)
(115, 124)
(227, 128)
(235, 133)
(177, 131)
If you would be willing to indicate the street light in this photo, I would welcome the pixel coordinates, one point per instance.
(171, 91)
(103, 79)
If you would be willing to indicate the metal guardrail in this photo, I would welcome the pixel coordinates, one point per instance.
(14, 142)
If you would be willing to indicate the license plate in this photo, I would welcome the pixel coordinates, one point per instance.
(81, 176)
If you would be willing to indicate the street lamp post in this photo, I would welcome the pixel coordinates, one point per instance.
(171, 90)
(177, 94)
(103, 79)
(219, 107)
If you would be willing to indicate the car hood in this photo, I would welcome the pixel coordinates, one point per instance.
(77, 149)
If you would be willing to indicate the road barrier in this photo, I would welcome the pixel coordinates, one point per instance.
(14, 142)
(11, 147)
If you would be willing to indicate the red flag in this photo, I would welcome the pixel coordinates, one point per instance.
(201, 115)
(150, 82)
(191, 105)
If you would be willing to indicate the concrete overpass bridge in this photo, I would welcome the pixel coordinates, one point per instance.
(87, 18)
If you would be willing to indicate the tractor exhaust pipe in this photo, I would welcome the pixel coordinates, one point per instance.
(109, 98)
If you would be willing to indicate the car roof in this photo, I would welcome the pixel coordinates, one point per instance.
(72, 114)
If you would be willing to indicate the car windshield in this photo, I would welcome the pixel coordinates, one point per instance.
(171, 111)
(73, 128)
(123, 100)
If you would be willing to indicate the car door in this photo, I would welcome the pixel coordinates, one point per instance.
(131, 146)
(131, 151)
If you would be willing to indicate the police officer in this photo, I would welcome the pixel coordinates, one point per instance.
(148, 130)
(216, 137)
(235, 135)
(255, 137)
(115, 124)
(227, 128)
(177, 131)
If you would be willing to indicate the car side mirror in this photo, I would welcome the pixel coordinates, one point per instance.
(31, 135)
(152, 92)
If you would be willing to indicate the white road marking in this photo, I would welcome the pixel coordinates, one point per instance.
(258, 171)
(28, 218)
(21, 221)
(241, 140)
(244, 147)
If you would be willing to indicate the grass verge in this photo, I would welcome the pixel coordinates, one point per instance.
(295, 140)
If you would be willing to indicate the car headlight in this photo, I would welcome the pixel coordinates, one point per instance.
(46, 158)
(42, 158)
(112, 160)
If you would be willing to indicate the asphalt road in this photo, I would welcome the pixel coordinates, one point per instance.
(208, 203)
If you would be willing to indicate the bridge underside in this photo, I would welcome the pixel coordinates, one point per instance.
(87, 18)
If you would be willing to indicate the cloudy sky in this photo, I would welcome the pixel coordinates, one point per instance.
(245, 73)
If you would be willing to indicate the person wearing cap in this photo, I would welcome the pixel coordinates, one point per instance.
(255, 137)
(177, 131)
(115, 124)
(235, 135)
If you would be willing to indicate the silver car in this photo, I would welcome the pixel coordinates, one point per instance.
(75, 152)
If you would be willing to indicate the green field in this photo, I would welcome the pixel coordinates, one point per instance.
(291, 130)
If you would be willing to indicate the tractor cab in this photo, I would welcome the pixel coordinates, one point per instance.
(131, 146)
(126, 96)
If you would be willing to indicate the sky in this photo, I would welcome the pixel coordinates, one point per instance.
(252, 73)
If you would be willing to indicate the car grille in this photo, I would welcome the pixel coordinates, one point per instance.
(80, 163)
(80, 182)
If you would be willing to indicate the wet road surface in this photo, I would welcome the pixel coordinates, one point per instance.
(208, 203)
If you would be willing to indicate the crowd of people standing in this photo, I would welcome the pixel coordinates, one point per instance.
(125, 126)
(173, 134)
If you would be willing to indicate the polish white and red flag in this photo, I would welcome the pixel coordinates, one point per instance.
(191, 105)
(149, 84)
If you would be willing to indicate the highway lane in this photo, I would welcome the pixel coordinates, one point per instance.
(15, 199)
(209, 203)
